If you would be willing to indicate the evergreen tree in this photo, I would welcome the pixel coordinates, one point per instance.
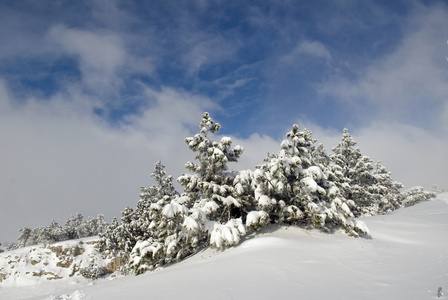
(151, 234)
(357, 179)
(109, 242)
(244, 189)
(25, 237)
(387, 191)
(57, 232)
(72, 226)
(163, 186)
(166, 240)
(215, 208)
(292, 186)
(99, 225)
(372, 190)
(210, 186)
(136, 222)
(417, 195)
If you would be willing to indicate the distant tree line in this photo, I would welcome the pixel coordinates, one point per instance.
(76, 227)
(300, 185)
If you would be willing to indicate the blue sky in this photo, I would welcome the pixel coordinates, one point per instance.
(93, 93)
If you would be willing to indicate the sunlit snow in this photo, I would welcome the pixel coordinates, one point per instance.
(405, 258)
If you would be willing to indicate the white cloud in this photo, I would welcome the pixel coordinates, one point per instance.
(256, 147)
(100, 55)
(408, 84)
(307, 48)
(58, 159)
(406, 93)
(103, 52)
(413, 155)
(204, 48)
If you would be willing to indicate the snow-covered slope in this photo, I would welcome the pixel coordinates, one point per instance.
(406, 258)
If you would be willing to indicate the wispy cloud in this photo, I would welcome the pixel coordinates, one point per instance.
(413, 155)
(408, 84)
(58, 158)
(100, 55)
(307, 49)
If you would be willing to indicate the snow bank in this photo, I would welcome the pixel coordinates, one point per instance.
(405, 258)
(39, 263)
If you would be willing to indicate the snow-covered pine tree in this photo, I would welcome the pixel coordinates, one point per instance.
(57, 232)
(120, 237)
(43, 235)
(109, 242)
(151, 235)
(166, 241)
(163, 186)
(415, 195)
(162, 212)
(100, 225)
(293, 187)
(48, 234)
(210, 188)
(244, 188)
(357, 181)
(135, 226)
(278, 191)
(387, 196)
(25, 237)
(332, 171)
(131, 233)
(72, 226)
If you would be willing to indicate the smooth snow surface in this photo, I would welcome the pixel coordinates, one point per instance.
(406, 258)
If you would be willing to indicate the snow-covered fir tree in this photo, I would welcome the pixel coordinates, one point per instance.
(372, 189)
(166, 240)
(135, 222)
(387, 196)
(293, 187)
(332, 171)
(152, 234)
(416, 195)
(116, 241)
(73, 228)
(357, 181)
(162, 212)
(215, 208)
(25, 237)
(163, 186)
(108, 243)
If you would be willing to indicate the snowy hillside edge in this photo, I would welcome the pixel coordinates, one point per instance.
(74, 258)
(406, 258)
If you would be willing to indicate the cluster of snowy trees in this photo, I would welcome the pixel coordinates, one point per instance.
(300, 185)
(416, 195)
(75, 227)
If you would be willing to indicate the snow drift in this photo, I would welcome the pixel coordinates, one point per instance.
(406, 258)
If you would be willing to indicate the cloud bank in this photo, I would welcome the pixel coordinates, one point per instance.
(89, 104)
